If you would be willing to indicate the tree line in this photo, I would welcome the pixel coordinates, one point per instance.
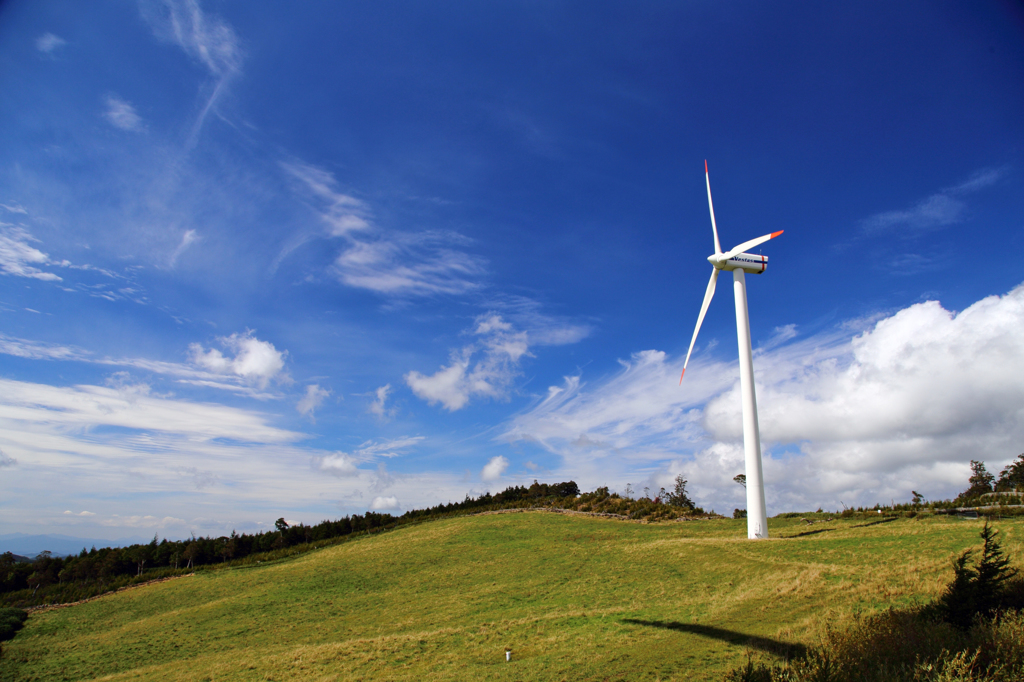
(52, 579)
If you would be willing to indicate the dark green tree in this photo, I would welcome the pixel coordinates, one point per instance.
(567, 489)
(980, 481)
(1012, 476)
(281, 524)
(678, 496)
(741, 479)
(976, 589)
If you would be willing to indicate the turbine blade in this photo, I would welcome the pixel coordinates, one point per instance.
(708, 295)
(749, 245)
(711, 207)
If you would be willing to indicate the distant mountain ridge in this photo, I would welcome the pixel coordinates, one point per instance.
(58, 545)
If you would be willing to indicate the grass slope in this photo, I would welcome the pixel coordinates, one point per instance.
(573, 597)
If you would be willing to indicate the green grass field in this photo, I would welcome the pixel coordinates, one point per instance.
(574, 598)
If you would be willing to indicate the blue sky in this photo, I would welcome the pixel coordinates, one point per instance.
(305, 260)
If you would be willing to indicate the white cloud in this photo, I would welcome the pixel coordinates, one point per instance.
(122, 114)
(48, 42)
(18, 258)
(81, 513)
(860, 418)
(14, 208)
(341, 213)
(205, 38)
(187, 240)
(939, 210)
(381, 480)
(493, 470)
(180, 465)
(447, 386)
(384, 503)
(392, 263)
(145, 522)
(489, 366)
(23, 348)
(337, 464)
(404, 264)
(312, 400)
(86, 407)
(642, 406)
(391, 447)
(344, 464)
(239, 374)
(377, 406)
(779, 336)
(542, 329)
(498, 350)
(255, 362)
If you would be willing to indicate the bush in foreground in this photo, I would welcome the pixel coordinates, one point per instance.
(11, 621)
(973, 633)
(902, 646)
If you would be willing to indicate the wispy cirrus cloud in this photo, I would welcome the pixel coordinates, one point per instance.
(19, 258)
(121, 114)
(943, 208)
(35, 350)
(246, 365)
(393, 263)
(377, 407)
(388, 447)
(206, 39)
(313, 398)
(48, 43)
(404, 264)
(542, 329)
(341, 213)
(132, 407)
(187, 239)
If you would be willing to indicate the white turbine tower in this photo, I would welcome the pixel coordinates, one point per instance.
(740, 263)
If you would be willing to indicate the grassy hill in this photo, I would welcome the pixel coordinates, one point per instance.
(572, 597)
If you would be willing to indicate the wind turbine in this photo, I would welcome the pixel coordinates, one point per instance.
(740, 263)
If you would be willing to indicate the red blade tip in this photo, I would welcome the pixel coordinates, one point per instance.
(705, 165)
(681, 377)
(776, 234)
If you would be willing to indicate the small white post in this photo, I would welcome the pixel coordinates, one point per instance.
(757, 513)
(508, 655)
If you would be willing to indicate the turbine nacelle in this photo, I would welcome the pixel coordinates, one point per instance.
(748, 262)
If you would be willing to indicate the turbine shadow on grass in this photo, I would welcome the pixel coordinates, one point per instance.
(875, 523)
(775, 647)
(807, 532)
